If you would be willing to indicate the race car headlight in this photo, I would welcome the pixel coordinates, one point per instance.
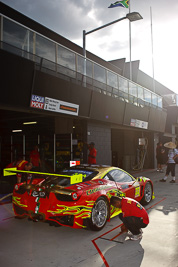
(76, 195)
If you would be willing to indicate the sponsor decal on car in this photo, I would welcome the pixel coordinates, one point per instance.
(137, 191)
(17, 201)
(82, 212)
(116, 193)
(140, 179)
(92, 191)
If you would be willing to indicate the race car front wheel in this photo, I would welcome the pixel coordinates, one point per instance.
(148, 192)
(99, 214)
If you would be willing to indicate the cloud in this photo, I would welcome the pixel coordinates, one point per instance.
(63, 17)
(67, 18)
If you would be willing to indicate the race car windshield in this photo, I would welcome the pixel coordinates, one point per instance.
(65, 181)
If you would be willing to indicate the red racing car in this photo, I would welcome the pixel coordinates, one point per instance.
(78, 197)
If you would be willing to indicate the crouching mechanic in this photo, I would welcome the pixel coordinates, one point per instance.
(22, 165)
(133, 216)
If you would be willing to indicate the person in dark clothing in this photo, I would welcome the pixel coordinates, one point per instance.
(160, 152)
(171, 164)
(35, 158)
(133, 216)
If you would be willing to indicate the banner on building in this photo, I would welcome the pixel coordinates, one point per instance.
(37, 102)
(61, 106)
(139, 124)
(54, 105)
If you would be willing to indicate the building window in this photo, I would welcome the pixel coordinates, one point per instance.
(80, 64)
(133, 89)
(140, 92)
(147, 96)
(154, 99)
(89, 70)
(123, 85)
(99, 73)
(66, 58)
(112, 79)
(17, 36)
(160, 102)
(45, 48)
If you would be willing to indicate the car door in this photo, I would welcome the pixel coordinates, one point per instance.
(125, 182)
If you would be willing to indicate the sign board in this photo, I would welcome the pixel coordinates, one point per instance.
(54, 105)
(139, 124)
(60, 106)
(37, 102)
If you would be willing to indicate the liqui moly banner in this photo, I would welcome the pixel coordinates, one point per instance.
(37, 102)
(54, 105)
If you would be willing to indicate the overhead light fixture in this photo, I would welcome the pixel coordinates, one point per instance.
(30, 122)
(16, 131)
(133, 16)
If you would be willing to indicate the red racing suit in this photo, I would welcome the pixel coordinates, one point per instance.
(92, 156)
(131, 207)
(35, 158)
(19, 165)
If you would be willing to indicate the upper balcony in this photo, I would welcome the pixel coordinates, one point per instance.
(53, 57)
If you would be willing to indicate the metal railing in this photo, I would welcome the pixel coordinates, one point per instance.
(72, 76)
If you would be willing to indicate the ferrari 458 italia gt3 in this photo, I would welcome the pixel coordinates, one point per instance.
(78, 197)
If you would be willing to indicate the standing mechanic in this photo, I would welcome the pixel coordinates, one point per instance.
(133, 216)
(92, 153)
(35, 158)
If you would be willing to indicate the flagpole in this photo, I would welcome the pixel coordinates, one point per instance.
(130, 44)
(154, 89)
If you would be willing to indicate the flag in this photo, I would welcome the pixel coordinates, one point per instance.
(124, 3)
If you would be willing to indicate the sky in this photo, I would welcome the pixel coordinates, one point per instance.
(157, 49)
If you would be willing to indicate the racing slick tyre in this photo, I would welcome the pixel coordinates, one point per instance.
(99, 214)
(148, 192)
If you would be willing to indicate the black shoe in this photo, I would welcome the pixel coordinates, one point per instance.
(173, 181)
(162, 180)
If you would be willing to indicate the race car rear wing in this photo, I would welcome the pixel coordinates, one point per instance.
(74, 179)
